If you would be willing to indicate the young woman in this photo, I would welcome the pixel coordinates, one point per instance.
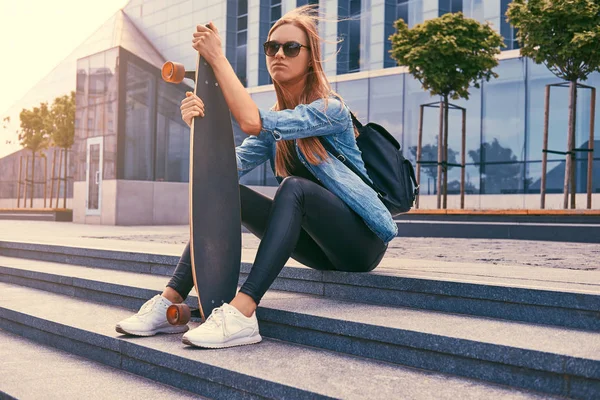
(323, 215)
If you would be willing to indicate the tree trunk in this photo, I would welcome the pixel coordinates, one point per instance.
(569, 161)
(440, 155)
(446, 151)
(32, 181)
(66, 174)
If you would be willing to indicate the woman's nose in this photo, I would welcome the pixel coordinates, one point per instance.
(280, 53)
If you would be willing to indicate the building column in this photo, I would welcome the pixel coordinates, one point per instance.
(253, 38)
(329, 33)
(287, 5)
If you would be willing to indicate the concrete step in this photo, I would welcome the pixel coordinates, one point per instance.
(470, 228)
(37, 214)
(557, 297)
(32, 370)
(271, 369)
(548, 359)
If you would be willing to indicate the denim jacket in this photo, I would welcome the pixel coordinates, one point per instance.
(335, 125)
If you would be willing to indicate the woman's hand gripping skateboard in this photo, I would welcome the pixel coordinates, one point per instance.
(192, 106)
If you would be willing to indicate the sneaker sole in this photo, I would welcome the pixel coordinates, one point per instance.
(234, 343)
(152, 333)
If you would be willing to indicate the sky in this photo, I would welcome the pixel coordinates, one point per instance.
(36, 35)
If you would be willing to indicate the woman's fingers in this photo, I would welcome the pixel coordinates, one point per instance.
(193, 107)
(192, 98)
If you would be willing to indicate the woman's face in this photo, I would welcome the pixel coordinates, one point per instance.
(288, 69)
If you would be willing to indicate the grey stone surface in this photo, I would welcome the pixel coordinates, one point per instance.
(483, 339)
(555, 305)
(30, 370)
(308, 370)
(172, 239)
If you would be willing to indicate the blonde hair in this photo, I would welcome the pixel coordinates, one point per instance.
(317, 87)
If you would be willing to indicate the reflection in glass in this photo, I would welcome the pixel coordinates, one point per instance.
(139, 132)
(354, 94)
(95, 111)
(503, 129)
(386, 103)
(500, 171)
(172, 135)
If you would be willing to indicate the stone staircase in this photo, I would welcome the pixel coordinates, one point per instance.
(387, 334)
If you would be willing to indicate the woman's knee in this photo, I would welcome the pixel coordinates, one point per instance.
(291, 185)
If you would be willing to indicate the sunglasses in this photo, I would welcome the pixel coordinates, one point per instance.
(290, 49)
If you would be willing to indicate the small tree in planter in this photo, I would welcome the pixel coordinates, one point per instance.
(34, 136)
(564, 36)
(61, 123)
(447, 55)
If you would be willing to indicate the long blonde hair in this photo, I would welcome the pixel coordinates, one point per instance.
(317, 87)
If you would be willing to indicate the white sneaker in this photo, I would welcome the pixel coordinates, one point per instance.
(225, 327)
(150, 320)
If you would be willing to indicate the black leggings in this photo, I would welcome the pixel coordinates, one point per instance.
(304, 221)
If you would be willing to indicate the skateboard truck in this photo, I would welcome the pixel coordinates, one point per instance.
(173, 72)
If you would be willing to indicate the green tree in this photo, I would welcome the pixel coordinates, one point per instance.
(564, 36)
(34, 135)
(61, 124)
(447, 55)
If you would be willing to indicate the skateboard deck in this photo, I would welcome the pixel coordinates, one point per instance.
(215, 213)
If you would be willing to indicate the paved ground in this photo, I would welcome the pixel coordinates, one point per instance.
(572, 256)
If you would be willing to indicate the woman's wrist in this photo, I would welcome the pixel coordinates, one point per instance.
(219, 62)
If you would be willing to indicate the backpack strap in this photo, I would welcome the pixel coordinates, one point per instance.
(347, 163)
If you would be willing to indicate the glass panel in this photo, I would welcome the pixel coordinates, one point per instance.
(242, 38)
(503, 130)
(539, 77)
(555, 175)
(139, 132)
(109, 110)
(355, 95)
(81, 106)
(242, 7)
(386, 103)
(97, 78)
(354, 46)
(275, 14)
(415, 96)
(172, 135)
(94, 177)
(242, 23)
(240, 57)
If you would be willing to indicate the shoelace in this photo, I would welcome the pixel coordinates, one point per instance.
(148, 306)
(217, 317)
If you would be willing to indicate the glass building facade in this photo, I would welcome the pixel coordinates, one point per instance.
(128, 120)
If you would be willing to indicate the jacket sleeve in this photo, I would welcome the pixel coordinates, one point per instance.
(251, 153)
(305, 120)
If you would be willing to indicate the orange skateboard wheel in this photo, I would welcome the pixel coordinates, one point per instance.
(173, 72)
(178, 314)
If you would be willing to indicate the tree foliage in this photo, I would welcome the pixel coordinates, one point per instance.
(34, 134)
(562, 34)
(447, 54)
(61, 121)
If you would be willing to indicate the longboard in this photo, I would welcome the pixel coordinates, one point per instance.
(215, 213)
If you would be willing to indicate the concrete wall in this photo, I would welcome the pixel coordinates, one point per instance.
(140, 203)
(107, 204)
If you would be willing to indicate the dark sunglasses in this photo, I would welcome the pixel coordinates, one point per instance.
(290, 49)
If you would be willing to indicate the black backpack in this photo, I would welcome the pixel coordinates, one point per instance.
(393, 175)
